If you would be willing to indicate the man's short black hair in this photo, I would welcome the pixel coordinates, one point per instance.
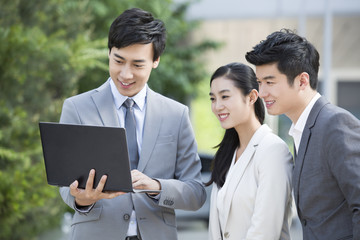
(292, 53)
(136, 26)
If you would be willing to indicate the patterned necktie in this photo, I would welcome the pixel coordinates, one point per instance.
(130, 126)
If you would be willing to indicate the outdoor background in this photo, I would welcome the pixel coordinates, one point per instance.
(53, 49)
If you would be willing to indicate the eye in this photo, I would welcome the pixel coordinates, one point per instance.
(212, 99)
(259, 82)
(224, 96)
(138, 65)
(118, 61)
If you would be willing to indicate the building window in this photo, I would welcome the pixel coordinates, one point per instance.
(348, 96)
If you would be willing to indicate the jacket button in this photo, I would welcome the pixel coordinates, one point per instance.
(168, 202)
(126, 217)
(226, 234)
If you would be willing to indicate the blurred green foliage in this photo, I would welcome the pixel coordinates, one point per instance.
(50, 50)
(208, 131)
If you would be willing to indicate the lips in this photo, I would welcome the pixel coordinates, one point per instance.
(223, 116)
(269, 103)
(126, 85)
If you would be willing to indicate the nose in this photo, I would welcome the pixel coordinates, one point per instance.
(126, 72)
(262, 91)
(217, 106)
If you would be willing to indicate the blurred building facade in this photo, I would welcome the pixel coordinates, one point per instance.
(333, 26)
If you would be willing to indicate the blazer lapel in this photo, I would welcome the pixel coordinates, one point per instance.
(299, 158)
(214, 223)
(240, 167)
(104, 102)
(151, 127)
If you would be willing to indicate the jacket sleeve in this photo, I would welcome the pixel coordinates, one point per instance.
(68, 115)
(185, 190)
(343, 153)
(273, 197)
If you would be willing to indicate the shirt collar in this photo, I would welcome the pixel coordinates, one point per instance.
(119, 99)
(300, 124)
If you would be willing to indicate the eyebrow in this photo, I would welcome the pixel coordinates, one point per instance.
(137, 61)
(267, 78)
(222, 91)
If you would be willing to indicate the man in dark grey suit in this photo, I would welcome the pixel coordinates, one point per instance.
(326, 176)
(164, 154)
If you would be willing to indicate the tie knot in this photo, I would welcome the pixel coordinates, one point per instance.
(129, 103)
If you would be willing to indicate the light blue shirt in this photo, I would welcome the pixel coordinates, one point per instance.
(139, 112)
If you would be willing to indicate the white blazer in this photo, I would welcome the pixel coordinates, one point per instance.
(255, 201)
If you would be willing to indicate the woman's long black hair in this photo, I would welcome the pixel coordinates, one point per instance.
(244, 79)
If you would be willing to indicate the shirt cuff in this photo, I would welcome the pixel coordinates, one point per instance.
(83, 209)
(157, 196)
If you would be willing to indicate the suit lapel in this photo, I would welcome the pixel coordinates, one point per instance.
(151, 127)
(240, 167)
(214, 223)
(103, 98)
(104, 102)
(305, 139)
(235, 178)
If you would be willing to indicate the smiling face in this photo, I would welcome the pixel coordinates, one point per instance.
(278, 95)
(229, 104)
(130, 67)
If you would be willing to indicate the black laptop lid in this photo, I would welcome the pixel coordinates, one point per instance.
(71, 151)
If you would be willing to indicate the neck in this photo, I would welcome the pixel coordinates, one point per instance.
(304, 101)
(245, 132)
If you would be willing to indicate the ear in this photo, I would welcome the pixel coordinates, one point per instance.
(304, 80)
(253, 95)
(156, 63)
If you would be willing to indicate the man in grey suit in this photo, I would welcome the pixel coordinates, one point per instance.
(326, 176)
(165, 155)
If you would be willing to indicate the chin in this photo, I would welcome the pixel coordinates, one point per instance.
(226, 127)
(273, 112)
(127, 93)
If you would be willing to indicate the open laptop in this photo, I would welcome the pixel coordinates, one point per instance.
(71, 151)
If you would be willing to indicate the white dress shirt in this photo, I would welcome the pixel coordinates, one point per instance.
(139, 112)
(296, 130)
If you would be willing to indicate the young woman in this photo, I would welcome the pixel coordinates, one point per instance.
(251, 177)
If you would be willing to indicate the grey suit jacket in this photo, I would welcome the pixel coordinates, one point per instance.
(169, 154)
(326, 176)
